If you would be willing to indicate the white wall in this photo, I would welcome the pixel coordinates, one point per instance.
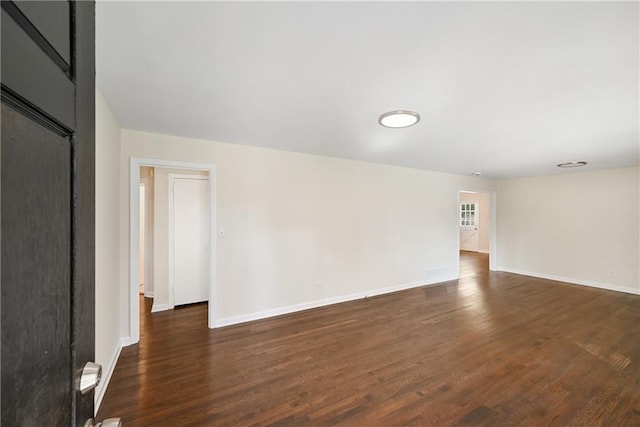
(294, 221)
(108, 286)
(161, 235)
(484, 205)
(576, 227)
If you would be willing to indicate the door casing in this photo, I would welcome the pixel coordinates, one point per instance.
(133, 314)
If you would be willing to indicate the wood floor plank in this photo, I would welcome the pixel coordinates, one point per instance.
(491, 349)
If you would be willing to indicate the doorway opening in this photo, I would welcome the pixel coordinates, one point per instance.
(476, 220)
(172, 249)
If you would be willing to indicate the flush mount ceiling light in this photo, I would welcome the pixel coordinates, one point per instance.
(571, 164)
(399, 119)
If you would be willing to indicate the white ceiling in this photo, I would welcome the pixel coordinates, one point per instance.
(506, 88)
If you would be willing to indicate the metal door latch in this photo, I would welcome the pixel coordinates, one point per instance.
(90, 378)
(109, 422)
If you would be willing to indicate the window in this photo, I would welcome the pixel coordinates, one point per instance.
(468, 214)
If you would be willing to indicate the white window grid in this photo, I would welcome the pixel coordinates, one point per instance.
(469, 214)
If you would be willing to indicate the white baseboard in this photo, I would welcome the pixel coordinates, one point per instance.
(227, 321)
(160, 307)
(572, 281)
(148, 294)
(107, 371)
(127, 341)
(482, 251)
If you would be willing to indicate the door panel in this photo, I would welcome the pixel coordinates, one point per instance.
(469, 240)
(191, 240)
(52, 20)
(36, 249)
(47, 211)
(29, 73)
(468, 220)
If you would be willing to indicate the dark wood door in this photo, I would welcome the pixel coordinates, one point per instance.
(47, 211)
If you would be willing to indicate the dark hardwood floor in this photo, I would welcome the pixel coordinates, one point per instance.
(490, 349)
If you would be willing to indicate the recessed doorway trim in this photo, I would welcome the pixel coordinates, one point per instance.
(134, 236)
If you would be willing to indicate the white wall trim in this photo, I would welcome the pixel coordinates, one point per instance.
(107, 371)
(148, 294)
(482, 251)
(127, 341)
(134, 235)
(572, 281)
(227, 321)
(160, 307)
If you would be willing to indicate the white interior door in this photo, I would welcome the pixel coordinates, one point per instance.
(468, 239)
(190, 240)
(469, 235)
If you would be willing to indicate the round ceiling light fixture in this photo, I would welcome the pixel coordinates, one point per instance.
(571, 164)
(399, 119)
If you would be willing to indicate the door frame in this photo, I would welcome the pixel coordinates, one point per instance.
(134, 236)
(171, 243)
(493, 241)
